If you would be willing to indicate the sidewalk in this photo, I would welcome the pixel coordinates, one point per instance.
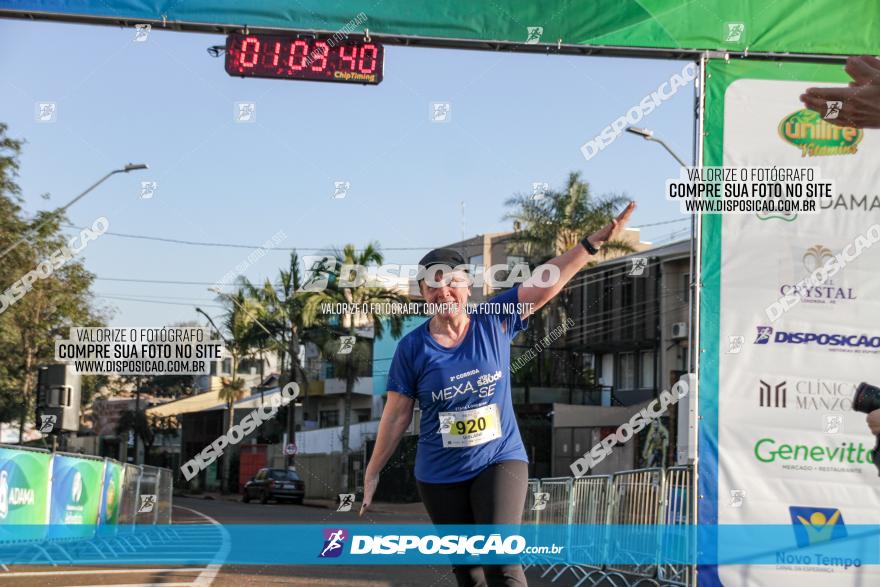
(331, 504)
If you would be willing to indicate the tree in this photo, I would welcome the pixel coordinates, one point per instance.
(149, 428)
(238, 322)
(364, 296)
(49, 308)
(281, 312)
(553, 224)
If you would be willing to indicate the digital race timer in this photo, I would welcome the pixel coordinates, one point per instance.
(317, 59)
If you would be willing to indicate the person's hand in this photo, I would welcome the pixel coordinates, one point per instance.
(861, 100)
(614, 228)
(371, 481)
(874, 422)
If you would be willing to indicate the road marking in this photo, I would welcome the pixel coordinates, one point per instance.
(137, 585)
(102, 572)
(206, 577)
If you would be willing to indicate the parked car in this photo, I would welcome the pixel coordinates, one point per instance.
(278, 484)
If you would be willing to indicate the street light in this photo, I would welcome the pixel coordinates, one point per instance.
(648, 135)
(126, 169)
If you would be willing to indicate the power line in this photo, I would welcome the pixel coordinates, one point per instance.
(303, 248)
(234, 245)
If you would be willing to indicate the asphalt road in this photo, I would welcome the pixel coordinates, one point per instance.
(224, 511)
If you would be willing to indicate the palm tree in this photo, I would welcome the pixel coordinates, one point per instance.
(362, 295)
(239, 325)
(547, 227)
(281, 312)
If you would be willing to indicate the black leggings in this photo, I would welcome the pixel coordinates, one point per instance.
(496, 496)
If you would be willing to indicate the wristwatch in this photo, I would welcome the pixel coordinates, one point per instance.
(589, 246)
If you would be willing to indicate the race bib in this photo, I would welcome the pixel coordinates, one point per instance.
(470, 427)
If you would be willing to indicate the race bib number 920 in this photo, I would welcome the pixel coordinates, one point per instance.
(470, 427)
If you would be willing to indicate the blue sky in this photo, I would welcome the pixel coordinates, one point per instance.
(515, 119)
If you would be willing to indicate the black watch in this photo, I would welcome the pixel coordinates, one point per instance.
(589, 246)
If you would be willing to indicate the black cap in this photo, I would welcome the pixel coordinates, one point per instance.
(449, 257)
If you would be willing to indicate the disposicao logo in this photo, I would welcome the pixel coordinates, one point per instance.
(334, 540)
(816, 525)
(808, 131)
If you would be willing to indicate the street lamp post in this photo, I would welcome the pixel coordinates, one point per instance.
(648, 135)
(126, 169)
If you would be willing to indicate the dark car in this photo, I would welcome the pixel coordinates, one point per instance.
(278, 484)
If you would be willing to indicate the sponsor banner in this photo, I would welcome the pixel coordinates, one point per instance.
(76, 495)
(112, 493)
(780, 443)
(845, 547)
(24, 493)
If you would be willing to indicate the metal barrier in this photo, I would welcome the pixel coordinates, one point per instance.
(637, 499)
(557, 512)
(678, 511)
(643, 499)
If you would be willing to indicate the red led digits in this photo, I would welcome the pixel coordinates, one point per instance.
(351, 60)
(298, 44)
(243, 59)
(370, 59)
(306, 58)
(320, 53)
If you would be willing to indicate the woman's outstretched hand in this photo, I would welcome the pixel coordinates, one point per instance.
(371, 481)
(612, 229)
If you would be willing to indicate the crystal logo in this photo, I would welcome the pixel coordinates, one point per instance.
(334, 540)
(813, 525)
(806, 130)
(815, 257)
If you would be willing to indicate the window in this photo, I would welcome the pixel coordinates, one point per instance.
(328, 418)
(227, 367)
(627, 370)
(283, 475)
(362, 415)
(646, 374)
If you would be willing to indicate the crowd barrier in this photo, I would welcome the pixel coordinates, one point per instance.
(640, 499)
(54, 502)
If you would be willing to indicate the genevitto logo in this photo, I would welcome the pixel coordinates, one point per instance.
(814, 526)
(843, 457)
(835, 342)
(806, 130)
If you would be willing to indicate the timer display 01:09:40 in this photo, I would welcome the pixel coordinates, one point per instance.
(316, 59)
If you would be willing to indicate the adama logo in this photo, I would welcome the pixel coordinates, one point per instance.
(334, 540)
(808, 131)
(816, 525)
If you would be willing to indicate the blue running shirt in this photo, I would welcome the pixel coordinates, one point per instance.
(467, 420)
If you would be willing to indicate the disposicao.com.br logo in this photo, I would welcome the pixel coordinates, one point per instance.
(479, 544)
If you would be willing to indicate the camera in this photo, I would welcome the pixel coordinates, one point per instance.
(866, 400)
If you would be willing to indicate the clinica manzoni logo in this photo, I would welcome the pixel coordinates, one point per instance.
(809, 132)
(806, 394)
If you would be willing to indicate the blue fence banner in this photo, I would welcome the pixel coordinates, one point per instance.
(418, 544)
